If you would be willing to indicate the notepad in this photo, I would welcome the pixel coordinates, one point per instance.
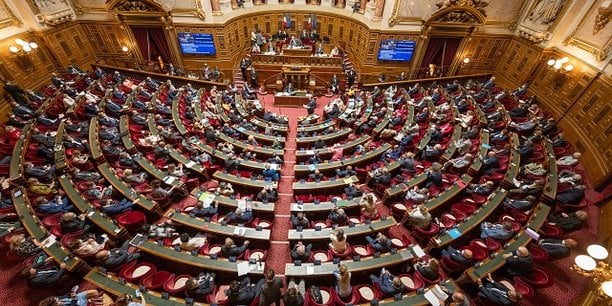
(309, 270)
(206, 198)
(190, 164)
(49, 241)
(169, 180)
(239, 231)
(454, 233)
(418, 251)
(243, 268)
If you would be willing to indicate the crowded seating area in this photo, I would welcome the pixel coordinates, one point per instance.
(449, 190)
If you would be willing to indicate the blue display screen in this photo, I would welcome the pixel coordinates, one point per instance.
(396, 50)
(197, 43)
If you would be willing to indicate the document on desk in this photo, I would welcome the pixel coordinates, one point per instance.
(239, 231)
(243, 268)
(435, 294)
(418, 251)
(169, 179)
(309, 269)
(190, 164)
(49, 241)
(206, 198)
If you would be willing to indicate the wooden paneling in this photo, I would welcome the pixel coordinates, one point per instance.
(106, 40)
(39, 64)
(484, 53)
(69, 45)
(517, 61)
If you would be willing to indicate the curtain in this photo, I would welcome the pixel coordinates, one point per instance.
(158, 39)
(452, 44)
(152, 41)
(434, 49)
(142, 41)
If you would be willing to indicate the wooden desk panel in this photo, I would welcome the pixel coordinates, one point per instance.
(233, 203)
(303, 142)
(19, 150)
(290, 101)
(302, 154)
(550, 187)
(303, 170)
(325, 207)
(127, 191)
(240, 181)
(310, 187)
(200, 224)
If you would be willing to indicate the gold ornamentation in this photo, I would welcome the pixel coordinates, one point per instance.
(458, 14)
(477, 4)
(134, 6)
(600, 52)
(78, 8)
(199, 12)
(12, 20)
(602, 18)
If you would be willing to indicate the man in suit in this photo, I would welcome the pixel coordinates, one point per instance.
(519, 262)
(568, 221)
(497, 293)
(271, 289)
(337, 216)
(44, 276)
(496, 231)
(557, 248)
(490, 163)
(242, 293)
(388, 284)
(462, 257)
(299, 220)
(114, 258)
(434, 176)
(230, 249)
(572, 196)
(16, 92)
(381, 243)
(301, 251)
(199, 288)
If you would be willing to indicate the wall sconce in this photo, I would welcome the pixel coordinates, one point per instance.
(562, 67)
(126, 51)
(22, 52)
(599, 271)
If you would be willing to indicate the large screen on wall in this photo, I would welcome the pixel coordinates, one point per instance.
(396, 50)
(197, 43)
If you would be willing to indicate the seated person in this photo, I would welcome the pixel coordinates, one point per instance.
(114, 207)
(198, 288)
(114, 258)
(419, 217)
(416, 195)
(497, 293)
(88, 247)
(23, 246)
(434, 176)
(239, 216)
(299, 220)
(430, 270)
(568, 221)
(73, 299)
(293, 297)
(490, 163)
(56, 205)
(572, 196)
(242, 293)
(301, 252)
(267, 195)
(381, 243)
(520, 204)
(462, 257)
(387, 283)
(71, 222)
(161, 230)
(460, 163)
(337, 216)
(187, 243)
(269, 173)
(496, 231)
(484, 189)
(131, 178)
(368, 205)
(229, 248)
(202, 210)
(289, 89)
(352, 191)
(46, 276)
(519, 262)
(557, 248)
(338, 241)
(347, 172)
(316, 176)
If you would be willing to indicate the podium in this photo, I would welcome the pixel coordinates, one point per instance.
(299, 76)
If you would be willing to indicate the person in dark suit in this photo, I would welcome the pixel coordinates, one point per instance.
(45, 276)
(519, 262)
(388, 284)
(497, 293)
(16, 92)
(114, 258)
(380, 243)
(229, 248)
(239, 216)
(300, 220)
(572, 196)
(293, 297)
(557, 248)
(72, 222)
(490, 163)
(568, 221)
(199, 288)
(271, 290)
(301, 252)
(337, 216)
(242, 293)
(429, 270)
(434, 176)
(201, 211)
(462, 257)
(347, 172)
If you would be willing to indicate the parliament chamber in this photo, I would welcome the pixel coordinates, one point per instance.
(305, 152)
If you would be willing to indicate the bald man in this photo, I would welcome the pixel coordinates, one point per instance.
(519, 262)
(557, 248)
(462, 257)
(497, 293)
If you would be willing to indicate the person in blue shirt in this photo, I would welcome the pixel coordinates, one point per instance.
(496, 231)
(239, 216)
(72, 299)
(114, 207)
(269, 173)
(388, 284)
(490, 83)
(381, 243)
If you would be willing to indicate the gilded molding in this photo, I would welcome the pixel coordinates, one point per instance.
(599, 52)
(396, 19)
(12, 20)
(79, 8)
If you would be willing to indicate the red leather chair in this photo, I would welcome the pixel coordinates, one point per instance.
(209, 249)
(133, 273)
(320, 255)
(537, 253)
(344, 255)
(411, 282)
(450, 266)
(426, 281)
(468, 209)
(218, 296)
(175, 285)
(362, 250)
(52, 220)
(570, 208)
(326, 294)
(551, 231)
(478, 254)
(523, 288)
(367, 293)
(352, 300)
(57, 231)
(132, 220)
(256, 254)
(398, 210)
(475, 198)
(156, 280)
(449, 220)
(539, 278)
(422, 235)
(261, 222)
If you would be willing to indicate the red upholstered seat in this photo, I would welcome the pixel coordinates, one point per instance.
(326, 293)
(411, 282)
(450, 266)
(352, 299)
(156, 280)
(132, 219)
(537, 253)
(367, 293)
(551, 231)
(466, 208)
(422, 234)
(570, 208)
(478, 253)
(523, 288)
(133, 273)
(362, 250)
(52, 220)
(175, 285)
(539, 278)
(218, 296)
(256, 254)
(344, 255)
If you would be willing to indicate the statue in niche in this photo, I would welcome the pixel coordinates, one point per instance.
(378, 11)
(215, 6)
(340, 3)
(545, 12)
(314, 2)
